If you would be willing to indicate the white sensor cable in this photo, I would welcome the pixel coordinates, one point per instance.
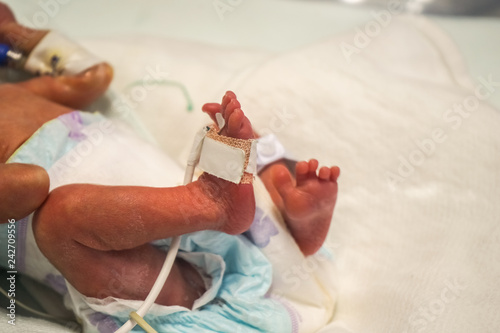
(193, 159)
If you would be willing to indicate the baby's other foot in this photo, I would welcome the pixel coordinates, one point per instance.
(236, 201)
(306, 203)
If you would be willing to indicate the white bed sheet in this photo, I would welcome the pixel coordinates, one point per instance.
(264, 25)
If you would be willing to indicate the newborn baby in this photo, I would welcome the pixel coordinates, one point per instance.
(91, 232)
(126, 219)
(103, 245)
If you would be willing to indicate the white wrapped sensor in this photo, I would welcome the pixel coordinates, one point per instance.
(56, 54)
(228, 158)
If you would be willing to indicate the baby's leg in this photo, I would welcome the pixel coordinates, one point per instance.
(306, 202)
(98, 236)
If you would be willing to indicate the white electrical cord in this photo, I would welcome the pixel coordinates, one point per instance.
(174, 246)
(155, 291)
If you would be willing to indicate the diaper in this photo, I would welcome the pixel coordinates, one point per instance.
(236, 300)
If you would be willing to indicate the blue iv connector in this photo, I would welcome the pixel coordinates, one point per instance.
(11, 58)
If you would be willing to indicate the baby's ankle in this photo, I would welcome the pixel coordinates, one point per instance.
(232, 205)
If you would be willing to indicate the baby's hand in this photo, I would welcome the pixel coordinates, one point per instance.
(74, 91)
(23, 188)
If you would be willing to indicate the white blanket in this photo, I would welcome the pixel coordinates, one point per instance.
(416, 230)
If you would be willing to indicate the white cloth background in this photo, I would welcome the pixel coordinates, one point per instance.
(417, 255)
(415, 231)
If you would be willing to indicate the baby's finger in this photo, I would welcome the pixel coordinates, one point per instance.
(77, 91)
(23, 188)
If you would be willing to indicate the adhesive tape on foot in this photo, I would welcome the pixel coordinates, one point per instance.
(228, 158)
(56, 54)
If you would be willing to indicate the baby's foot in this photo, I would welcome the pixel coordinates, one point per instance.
(307, 203)
(236, 200)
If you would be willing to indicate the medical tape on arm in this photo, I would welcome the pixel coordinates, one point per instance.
(228, 158)
(56, 54)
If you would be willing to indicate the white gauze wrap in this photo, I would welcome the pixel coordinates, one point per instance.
(228, 158)
(57, 54)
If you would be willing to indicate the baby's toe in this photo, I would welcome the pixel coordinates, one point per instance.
(238, 126)
(313, 166)
(301, 172)
(230, 108)
(334, 173)
(233, 124)
(324, 173)
(212, 109)
(226, 99)
(282, 180)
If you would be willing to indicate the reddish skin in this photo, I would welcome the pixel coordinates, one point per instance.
(16, 180)
(101, 241)
(306, 202)
(75, 92)
(100, 256)
(25, 107)
(102, 259)
(22, 113)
